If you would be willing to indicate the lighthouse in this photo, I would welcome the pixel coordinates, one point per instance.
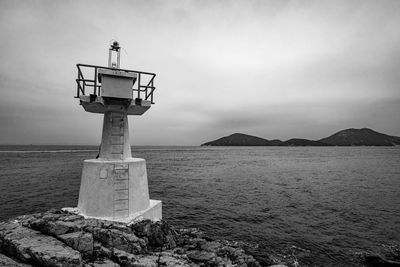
(114, 185)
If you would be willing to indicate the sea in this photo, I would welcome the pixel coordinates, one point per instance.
(313, 206)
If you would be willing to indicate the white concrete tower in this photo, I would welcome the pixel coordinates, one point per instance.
(114, 185)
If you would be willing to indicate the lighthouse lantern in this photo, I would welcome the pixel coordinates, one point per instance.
(114, 55)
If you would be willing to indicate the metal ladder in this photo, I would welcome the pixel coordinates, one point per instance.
(121, 190)
(117, 133)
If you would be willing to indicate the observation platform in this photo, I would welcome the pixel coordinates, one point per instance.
(99, 105)
(102, 89)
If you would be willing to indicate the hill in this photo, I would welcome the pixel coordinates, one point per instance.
(360, 137)
(348, 137)
(303, 142)
(238, 139)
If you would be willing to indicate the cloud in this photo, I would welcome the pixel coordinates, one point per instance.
(274, 68)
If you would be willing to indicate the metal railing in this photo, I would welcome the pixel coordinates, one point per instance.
(143, 87)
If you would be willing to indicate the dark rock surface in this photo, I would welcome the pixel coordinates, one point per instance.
(33, 247)
(6, 261)
(377, 261)
(385, 256)
(80, 241)
(58, 238)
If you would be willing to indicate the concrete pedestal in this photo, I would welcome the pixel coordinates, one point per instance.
(116, 190)
(114, 186)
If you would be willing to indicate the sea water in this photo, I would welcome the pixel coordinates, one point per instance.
(320, 205)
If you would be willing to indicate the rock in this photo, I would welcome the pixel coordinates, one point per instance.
(62, 238)
(50, 215)
(172, 260)
(194, 243)
(200, 256)
(159, 234)
(55, 228)
(26, 220)
(146, 261)
(104, 252)
(55, 224)
(156, 236)
(180, 251)
(81, 241)
(233, 253)
(253, 263)
(210, 246)
(73, 218)
(264, 260)
(113, 238)
(6, 261)
(33, 247)
(103, 263)
(123, 258)
(377, 261)
(191, 232)
(142, 229)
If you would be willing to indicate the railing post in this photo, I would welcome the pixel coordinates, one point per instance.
(139, 86)
(95, 81)
(152, 89)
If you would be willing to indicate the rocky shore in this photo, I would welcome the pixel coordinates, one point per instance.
(60, 238)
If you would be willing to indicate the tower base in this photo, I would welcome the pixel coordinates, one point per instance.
(117, 190)
(153, 213)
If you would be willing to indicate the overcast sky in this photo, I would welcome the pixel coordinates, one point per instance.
(274, 69)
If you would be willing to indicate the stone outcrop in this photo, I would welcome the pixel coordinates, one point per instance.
(378, 261)
(6, 261)
(33, 247)
(60, 238)
(80, 241)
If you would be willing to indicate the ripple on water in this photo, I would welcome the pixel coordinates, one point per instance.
(321, 206)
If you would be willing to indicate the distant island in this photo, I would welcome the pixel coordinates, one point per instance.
(348, 137)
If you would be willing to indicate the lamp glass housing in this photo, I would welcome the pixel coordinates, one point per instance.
(114, 58)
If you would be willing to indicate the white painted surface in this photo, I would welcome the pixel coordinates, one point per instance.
(115, 138)
(116, 83)
(153, 212)
(114, 186)
(116, 190)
